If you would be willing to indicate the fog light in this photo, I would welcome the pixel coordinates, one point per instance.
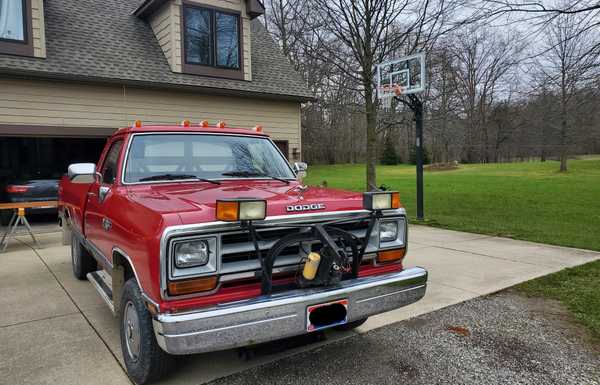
(381, 200)
(243, 209)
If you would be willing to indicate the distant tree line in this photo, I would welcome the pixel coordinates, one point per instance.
(525, 90)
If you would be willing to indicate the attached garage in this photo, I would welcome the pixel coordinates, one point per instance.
(24, 158)
(79, 82)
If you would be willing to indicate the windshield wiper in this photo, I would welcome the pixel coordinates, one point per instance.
(177, 177)
(246, 174)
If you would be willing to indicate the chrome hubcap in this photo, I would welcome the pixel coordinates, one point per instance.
(132, 331)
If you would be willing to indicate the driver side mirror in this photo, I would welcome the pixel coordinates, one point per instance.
(300, 169)
(82, 173)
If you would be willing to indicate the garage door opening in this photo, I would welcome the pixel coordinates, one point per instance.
(28, 158)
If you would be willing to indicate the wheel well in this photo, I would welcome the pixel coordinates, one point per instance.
(122, 271)
(120, 260)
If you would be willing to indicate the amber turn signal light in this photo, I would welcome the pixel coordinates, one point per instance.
(395, 200)
(194, 285)
(243, 209)
(390, 255)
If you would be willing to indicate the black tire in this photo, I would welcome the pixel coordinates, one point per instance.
(350, 325)
(145, 361)
(81, 259)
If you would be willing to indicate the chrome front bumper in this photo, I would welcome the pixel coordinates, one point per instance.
(283, 315)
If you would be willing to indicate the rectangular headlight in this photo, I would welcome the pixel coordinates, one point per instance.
(243, 209)
(192, 253)
(388, 231)
(381, 200)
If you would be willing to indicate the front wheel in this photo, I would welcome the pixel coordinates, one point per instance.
(144, 359)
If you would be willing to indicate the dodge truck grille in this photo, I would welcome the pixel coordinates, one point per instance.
(238, 254)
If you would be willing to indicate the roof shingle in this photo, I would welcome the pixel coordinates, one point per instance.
(91, 40)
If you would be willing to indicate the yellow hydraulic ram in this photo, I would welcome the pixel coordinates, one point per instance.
(311, 266)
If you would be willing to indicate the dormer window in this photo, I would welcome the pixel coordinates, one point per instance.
(15, 27)
(12, 20)
(212, 42)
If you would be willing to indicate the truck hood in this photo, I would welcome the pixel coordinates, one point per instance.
(195, 202)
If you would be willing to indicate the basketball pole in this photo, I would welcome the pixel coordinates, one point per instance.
(416, 105)
(418, 110)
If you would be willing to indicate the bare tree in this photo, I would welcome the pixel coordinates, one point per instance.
(481, 61)
(288, 22)
(369, 31)
(568, 66)
(473, 111)
(542, 13)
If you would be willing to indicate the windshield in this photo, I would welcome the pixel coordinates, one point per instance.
(202, 156)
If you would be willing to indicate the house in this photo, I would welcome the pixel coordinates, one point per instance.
(73, 71)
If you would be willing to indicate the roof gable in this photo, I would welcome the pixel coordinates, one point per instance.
(90, 40)
(148, 7)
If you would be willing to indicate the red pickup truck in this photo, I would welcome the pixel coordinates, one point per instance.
(204, 238)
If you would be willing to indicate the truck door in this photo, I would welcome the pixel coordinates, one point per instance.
(98, 226)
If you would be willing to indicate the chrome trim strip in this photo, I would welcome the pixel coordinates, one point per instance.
(389, 294)
(231, 327)
(126, 157)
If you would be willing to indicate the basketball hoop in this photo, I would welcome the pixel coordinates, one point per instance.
(387, 93)
(398, 90)
(400, 77)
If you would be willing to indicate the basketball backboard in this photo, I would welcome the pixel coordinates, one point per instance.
(407, 72)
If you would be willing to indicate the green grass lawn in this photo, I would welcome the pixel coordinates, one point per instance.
(577, 288)
(529, 201)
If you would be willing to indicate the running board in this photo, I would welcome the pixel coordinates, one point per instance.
(102, 282)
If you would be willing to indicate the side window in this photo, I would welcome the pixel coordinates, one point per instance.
(109, 168)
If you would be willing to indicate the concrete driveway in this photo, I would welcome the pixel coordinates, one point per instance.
(55, 329)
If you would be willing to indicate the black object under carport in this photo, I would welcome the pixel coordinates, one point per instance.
(25, 159)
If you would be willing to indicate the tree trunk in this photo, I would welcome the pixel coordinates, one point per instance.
(563, 126)
(371, 116)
